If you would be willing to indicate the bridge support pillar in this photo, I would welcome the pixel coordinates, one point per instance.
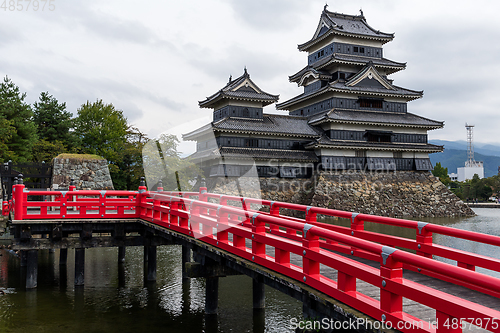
(186, 257)
(145, 254)
(259, 295)
(79, 267)
(151, 263)
(63, 257)
(121, 254)
(24, 257)
(212, 295)
(32, 269)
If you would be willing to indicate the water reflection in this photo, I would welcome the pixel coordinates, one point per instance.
(115, 298)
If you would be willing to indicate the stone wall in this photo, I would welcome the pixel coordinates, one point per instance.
(396, 194)
(88, 173)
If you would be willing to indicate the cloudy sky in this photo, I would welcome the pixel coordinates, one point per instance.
(156, 59)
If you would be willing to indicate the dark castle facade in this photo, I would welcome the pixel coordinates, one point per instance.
(350, 116)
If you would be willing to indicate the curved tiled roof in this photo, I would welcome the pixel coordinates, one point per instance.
(347, 25)
(233, 91)
(270, 124)
(256, 154)
(375, 117)
(325, 142)
(348, 59)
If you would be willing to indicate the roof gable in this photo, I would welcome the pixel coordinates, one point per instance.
(242, 88)
(369, 77)
(312, 75)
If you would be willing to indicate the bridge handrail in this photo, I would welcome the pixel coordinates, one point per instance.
(393, 287)
(307, 238)
(375, 248)
(423, 243)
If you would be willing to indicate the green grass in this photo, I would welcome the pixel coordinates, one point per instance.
(80, 157)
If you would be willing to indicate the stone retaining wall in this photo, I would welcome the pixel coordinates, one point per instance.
(396, 194)
(88, 173)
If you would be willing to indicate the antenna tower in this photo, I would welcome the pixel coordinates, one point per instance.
(471, 162)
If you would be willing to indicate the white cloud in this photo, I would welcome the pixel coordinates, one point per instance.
(155, 60)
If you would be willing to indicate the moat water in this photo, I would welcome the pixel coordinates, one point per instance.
(116, 299)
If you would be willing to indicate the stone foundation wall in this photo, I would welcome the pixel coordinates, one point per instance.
(395, 194)
(88, 173)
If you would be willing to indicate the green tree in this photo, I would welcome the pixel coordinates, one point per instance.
(16, 121)
(442, 173)
(53, 121)
(46, 151)
(130, 168)
(102, 130)
(6, 132)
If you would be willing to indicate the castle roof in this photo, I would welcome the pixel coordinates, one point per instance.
(340, 58)
(332, 23)
(399, 119)
(256, 154)
(368, 82)
(325, 142)
(242, 88)
(270, 124)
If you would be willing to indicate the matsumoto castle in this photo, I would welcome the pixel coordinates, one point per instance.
(350, 116)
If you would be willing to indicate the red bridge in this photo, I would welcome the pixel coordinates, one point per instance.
(381, 280)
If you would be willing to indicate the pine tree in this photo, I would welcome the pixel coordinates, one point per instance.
(16, 120)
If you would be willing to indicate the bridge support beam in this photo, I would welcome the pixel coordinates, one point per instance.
(63, 257)
(79, 267)
(151, 276)
(258, 293)
(212, 295)
(121, 254)
(32, 269)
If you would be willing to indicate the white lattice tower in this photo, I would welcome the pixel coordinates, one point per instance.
(470, 146)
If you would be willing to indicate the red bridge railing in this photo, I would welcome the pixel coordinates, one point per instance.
(235, 225)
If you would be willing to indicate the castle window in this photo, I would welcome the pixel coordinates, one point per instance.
(361, 50)
(360, 153)
(378, 136)
(370, 103)
(355, 49)
(251, 143)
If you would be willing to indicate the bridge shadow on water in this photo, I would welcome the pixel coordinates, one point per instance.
(116, 298)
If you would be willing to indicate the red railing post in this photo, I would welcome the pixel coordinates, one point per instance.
(258, 231)
(203, 195)
(222, 226)
(238, 241)
(18, 199)
(423, 238)
(274, 210)
(174, 207)
(141, 198)
(356, 225)
(390, 271)
(310, 243)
